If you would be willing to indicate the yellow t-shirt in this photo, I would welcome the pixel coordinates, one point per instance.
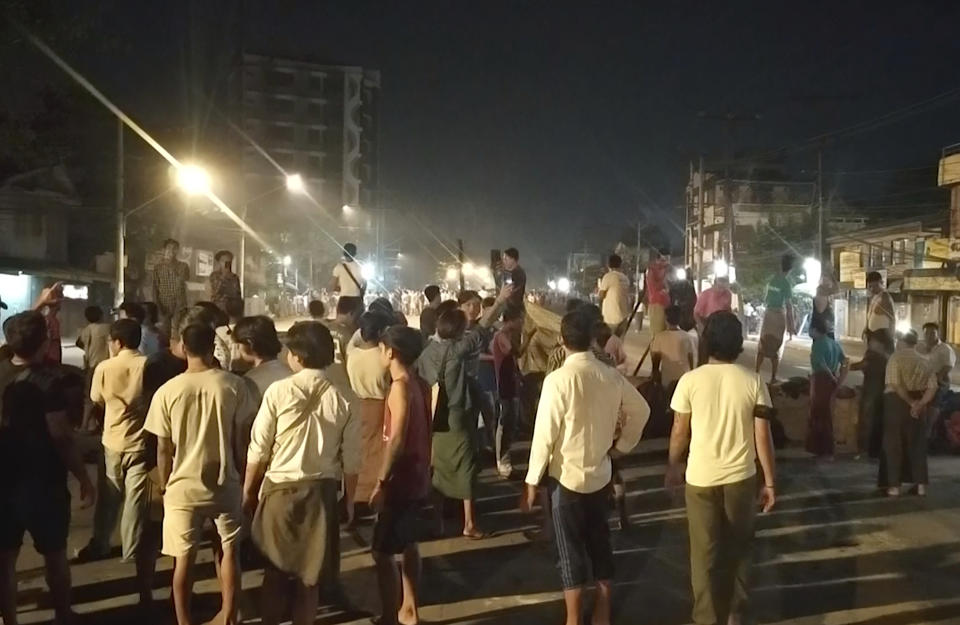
(721, 399)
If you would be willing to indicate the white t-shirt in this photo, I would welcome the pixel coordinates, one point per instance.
(615, 307)
(942, 355)
(675, 348)
(721, 399)
(349, 288)
(203, 413)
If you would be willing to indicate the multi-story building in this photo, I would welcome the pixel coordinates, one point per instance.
(317, 120)
(753, 204)
(907, 254)
(320, 121)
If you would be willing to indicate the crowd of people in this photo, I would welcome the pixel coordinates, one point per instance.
(207, 417)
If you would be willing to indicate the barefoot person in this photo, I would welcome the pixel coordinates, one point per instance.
(199, 419)
(778, 317)
(403, 483)
(574, 435)
(455, 435)
(36, 451)
(304, 440)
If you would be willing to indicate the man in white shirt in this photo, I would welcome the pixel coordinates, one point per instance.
(721, 413)
(614, 295)
(201, 419)
(304, 440)
(940, 356)
(673, 351)
(348, 278)
(880, 311)
(575, 433)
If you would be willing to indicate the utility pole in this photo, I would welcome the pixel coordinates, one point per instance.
(460, 261)
(731, 119)
(820, 204)
(243, 244)
(700, 221)
(121, 219)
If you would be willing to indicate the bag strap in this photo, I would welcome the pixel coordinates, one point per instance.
(350, 273)
(441, 374)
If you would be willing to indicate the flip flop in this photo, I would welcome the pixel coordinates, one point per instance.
(480, 535)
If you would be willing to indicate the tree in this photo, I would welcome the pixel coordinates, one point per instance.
(759, 252)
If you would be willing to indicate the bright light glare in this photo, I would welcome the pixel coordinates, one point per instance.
(552, 284)
(193, 180)
(452, 273)
(732, 274)
(813, 270)
(681, 273)
(368, 271)
(563, 285)
(347, 209)
(286, 261)
(295, 183)
(721, 268)
(484, 273)
(468, 269)
(903, 326)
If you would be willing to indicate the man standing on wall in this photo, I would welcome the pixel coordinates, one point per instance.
(170, 282)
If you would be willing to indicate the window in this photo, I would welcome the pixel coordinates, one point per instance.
(29, 225)
(315, 137)
(899, 251)
(315, 165)
(280, 78)
(315, 109)
(280, 106)
(317, 82)
(280, 132)
(287, 160)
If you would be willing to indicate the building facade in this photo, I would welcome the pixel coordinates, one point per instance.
(910, 255)
(733, 211)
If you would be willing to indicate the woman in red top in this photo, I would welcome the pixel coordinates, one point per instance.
(404, 480)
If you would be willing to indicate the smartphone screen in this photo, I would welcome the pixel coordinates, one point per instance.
(508, 280)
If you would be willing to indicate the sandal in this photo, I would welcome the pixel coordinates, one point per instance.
(478, 535)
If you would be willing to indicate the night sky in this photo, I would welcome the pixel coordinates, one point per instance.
(529, 123)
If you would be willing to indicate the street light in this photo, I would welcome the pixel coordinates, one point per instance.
(681, 274)
(295, 183)
(348, 210)
(287, 260)
(552, 285)
(468, 268)
(720, 268)
(452, 274)
(563, 285)
(193, 179)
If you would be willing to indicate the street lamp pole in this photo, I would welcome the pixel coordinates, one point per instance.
(121, 219)
(243, 252)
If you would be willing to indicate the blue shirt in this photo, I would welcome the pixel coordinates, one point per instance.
(826, 355)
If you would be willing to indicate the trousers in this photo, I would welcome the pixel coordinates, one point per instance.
(721, 521)
(122, 490)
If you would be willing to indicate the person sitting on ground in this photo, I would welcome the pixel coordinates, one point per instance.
(403, 482)
(318, 312)
(200, 418)
(304, 441)
(259, 347)
(36, 450)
